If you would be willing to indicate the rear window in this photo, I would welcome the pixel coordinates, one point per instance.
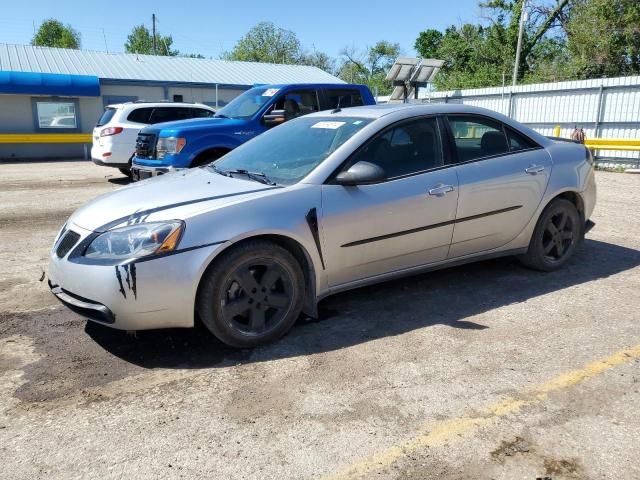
(106, 117)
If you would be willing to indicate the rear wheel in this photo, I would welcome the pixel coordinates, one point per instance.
(557, 235)
(252, 295)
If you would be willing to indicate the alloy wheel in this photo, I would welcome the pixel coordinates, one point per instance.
(558, 236)
(257, 297)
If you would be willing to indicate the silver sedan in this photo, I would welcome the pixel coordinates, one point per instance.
(324, 203)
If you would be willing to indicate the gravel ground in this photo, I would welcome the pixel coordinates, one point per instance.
(434, 376)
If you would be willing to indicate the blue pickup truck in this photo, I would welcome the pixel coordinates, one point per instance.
(170, 146)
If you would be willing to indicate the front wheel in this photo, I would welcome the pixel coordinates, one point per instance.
(558, 233)
(252, 295)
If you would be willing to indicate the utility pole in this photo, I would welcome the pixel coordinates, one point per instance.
(523, 19)
(153, 28)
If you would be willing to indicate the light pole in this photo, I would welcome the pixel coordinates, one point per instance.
(523, 19)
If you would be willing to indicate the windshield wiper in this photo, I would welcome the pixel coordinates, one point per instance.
(218, 171)
(257, 176)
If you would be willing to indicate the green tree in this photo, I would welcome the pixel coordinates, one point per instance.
(52, 33)
(267, 43)
(604, 37)
(370, 66)
(320, 60)
(428, 43)
(140, 40)
(483, 55)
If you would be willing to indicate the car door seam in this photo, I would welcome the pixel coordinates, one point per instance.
(430, 227)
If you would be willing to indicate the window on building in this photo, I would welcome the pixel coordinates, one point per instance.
(56, 115)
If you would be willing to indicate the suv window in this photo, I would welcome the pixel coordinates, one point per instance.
(201, 113)
(106, 117)
(169, 114)
(477, 137)
(298, 103)
(343, 98)
(140, 115)
(410, 147)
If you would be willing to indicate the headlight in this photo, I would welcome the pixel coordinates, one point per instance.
(169, 145)
(135, 241)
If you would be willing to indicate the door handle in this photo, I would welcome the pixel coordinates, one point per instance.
(533, 169)
(440, 190)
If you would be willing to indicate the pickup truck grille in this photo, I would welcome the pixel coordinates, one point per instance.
(146, 145)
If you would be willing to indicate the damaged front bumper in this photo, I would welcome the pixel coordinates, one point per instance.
(154, 293)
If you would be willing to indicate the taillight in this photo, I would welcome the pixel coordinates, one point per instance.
(107, 132)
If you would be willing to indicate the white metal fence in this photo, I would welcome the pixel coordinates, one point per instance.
(605, 108)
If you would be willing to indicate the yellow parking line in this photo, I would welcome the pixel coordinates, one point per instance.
(438, 433)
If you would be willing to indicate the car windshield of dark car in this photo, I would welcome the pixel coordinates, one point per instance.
(247, 104)
(288, 153)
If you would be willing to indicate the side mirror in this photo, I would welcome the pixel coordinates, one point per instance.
(275, 117)
(361, 173)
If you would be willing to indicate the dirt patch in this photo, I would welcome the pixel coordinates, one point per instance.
(509, 449)
(563, 468)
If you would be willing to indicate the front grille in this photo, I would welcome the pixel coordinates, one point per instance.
(66, 243)
(146, 145)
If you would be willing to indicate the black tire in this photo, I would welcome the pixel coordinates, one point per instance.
(125, 171)
(208, 157)
(559, 231)
(252, 295)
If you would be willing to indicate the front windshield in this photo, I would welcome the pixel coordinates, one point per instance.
(247, 104)
(288, 153)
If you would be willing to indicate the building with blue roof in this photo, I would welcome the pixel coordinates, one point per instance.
(80, 83)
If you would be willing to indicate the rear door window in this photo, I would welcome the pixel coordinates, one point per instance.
(341, 97)
(106, 117)
(140, 115)
(169, 114)
(477, 137)
(518, 141)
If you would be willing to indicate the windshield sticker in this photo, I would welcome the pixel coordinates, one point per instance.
(330, 125)
(270, 92)
(357, 122)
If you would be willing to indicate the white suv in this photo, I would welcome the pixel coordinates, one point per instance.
(114, 136)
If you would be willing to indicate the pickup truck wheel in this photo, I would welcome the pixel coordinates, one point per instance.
(252, 295)
(208, 157)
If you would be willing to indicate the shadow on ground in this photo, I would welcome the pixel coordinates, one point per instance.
(76, 355)
(444, 297)
(120, 180)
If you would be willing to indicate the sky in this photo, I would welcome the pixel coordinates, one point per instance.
(212, 27)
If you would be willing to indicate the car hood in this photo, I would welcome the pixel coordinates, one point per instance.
(170, 196)
(170, 129)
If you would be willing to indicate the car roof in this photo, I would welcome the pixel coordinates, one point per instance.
(143, 104)
(310, 85)
(377, 111)
(400, 111)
